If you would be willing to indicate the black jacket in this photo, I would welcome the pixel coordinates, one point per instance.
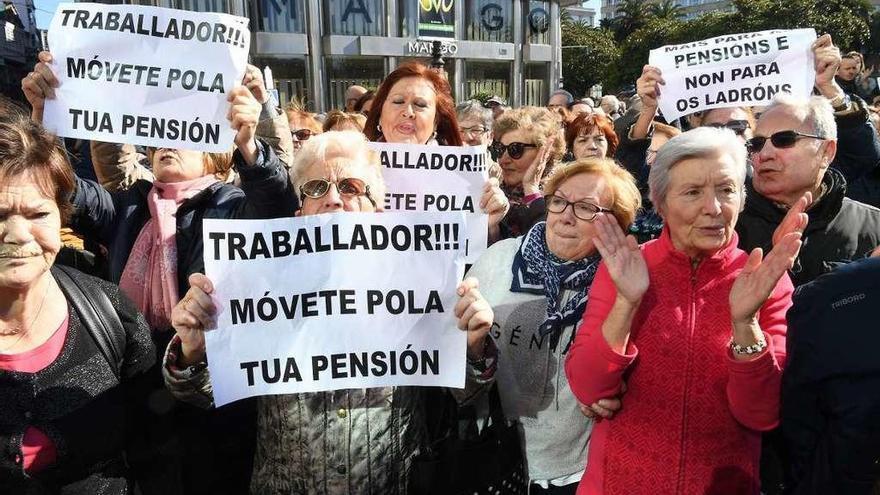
(839, 230)
(858, 154)
(80, 405)
(831, 386)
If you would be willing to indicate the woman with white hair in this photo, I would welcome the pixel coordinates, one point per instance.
(695, 324)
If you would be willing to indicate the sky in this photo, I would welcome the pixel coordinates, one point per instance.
(45, 9)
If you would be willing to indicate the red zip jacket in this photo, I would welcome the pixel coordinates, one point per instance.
(692, 415)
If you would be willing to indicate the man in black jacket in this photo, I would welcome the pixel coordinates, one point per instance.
(831, 385)
(795, 142)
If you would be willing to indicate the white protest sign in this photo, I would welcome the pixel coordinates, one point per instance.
(334, 301)
(145, 75)
(439, 178)
(734, 70)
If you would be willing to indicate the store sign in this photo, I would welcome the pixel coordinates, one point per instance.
(437, 19)
(539, 20)
(492, 18)
(356, 7)
(426, 47)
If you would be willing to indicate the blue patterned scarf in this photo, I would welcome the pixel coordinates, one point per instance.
(538, 271)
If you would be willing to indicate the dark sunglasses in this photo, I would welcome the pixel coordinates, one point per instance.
(781, 139)
(583, 210)
(737, 126)
(349, 187)
(302, 134)
(515, 150)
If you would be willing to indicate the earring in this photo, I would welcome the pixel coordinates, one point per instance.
(379, 128)
(434, 136)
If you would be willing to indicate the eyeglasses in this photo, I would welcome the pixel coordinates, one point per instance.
(781, 139)
(737, 126)
(302, 134)
(477, 129)
(349, 187)
(583, 210)
(515, 150)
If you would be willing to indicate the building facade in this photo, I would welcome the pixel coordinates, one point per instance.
(692, 8)
(317, 48)
(18, 45)
(581, 14)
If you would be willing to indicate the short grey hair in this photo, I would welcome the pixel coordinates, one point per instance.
(345, 144)
(476, 109)
(703, 142)
(815, 111)
(569, 99)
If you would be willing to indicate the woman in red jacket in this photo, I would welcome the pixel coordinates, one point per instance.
(693, 325)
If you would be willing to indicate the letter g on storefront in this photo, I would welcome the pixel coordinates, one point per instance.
(490, 17)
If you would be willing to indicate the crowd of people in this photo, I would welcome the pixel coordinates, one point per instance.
(675, 307)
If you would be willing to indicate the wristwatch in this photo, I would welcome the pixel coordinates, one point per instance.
(756, 348)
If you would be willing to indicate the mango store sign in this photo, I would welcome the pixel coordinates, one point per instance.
(426, 47)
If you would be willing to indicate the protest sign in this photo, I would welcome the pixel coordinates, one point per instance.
(734, 70)
(439, 178)
(334, 301)
(145, 75)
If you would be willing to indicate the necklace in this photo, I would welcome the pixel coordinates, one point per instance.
(27, 329)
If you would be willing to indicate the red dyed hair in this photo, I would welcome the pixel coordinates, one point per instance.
(445, 119)
(585, 123)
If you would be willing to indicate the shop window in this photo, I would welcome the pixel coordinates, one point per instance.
(280, 16)
(290, 79)
(537, 23)
(536, 80)
(355, 17)
(490, 78)
(366, 72)
(489, 20)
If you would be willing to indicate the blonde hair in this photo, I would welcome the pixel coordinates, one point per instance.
(539, 122)
(625, 197)
(339, 118)
(307, 120)
(341, 144)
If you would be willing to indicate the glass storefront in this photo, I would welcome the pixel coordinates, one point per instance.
(355, 17)
(280, 16)
(537, 23)
(290, 78)
(536, 77)
(345, 71)
(490, 78)
(489, 20)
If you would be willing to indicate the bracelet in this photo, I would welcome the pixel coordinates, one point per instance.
(748, 350)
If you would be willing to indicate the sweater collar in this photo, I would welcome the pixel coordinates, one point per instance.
(719, 258)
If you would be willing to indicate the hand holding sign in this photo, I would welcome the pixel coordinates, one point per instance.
(244, 115)
(40, 85)
(827, 62)
(648, 87)
(191, 316)
(474, 314)
(253, 80)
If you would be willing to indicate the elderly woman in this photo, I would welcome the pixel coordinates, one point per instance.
(527, 145)
(335, 172)
(537, 287)
(303, 124)
(64, 403)
(153, 232)
(414, 106)
(474, 123)
(706, 321)
(591, 136)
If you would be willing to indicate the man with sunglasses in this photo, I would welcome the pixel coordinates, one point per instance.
(792, 153)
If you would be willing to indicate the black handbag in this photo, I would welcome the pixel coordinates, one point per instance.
(491, 462)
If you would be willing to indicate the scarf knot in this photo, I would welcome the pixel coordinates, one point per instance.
(536, 270)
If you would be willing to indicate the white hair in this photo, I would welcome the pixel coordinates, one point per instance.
(703, 142)
(815, 111)
(341, 144)
(475, 108)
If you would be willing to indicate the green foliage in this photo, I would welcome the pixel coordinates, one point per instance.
(482, 97)
(589, 56)
(639, 29)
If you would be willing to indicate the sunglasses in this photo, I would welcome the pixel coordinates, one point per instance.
(583, 210)
(514, 150)
(349, 188)
(302, 134)
(781, 139)
(737, 126)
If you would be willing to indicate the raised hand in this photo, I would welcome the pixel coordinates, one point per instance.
(827, 60)
(243, 116)
(474, 314)
(759, 277)
(253, 80)
(39, 85)
(495, 204)
(532, 178)
(191, 316)
(622, 258)
(795, 220)
(648, 87)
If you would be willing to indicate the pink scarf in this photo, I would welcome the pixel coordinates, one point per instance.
(150, 275)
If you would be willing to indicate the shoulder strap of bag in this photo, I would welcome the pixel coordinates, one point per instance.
(97, 313)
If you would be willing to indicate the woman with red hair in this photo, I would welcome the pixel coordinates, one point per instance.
(414, 106)
(591, 135)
